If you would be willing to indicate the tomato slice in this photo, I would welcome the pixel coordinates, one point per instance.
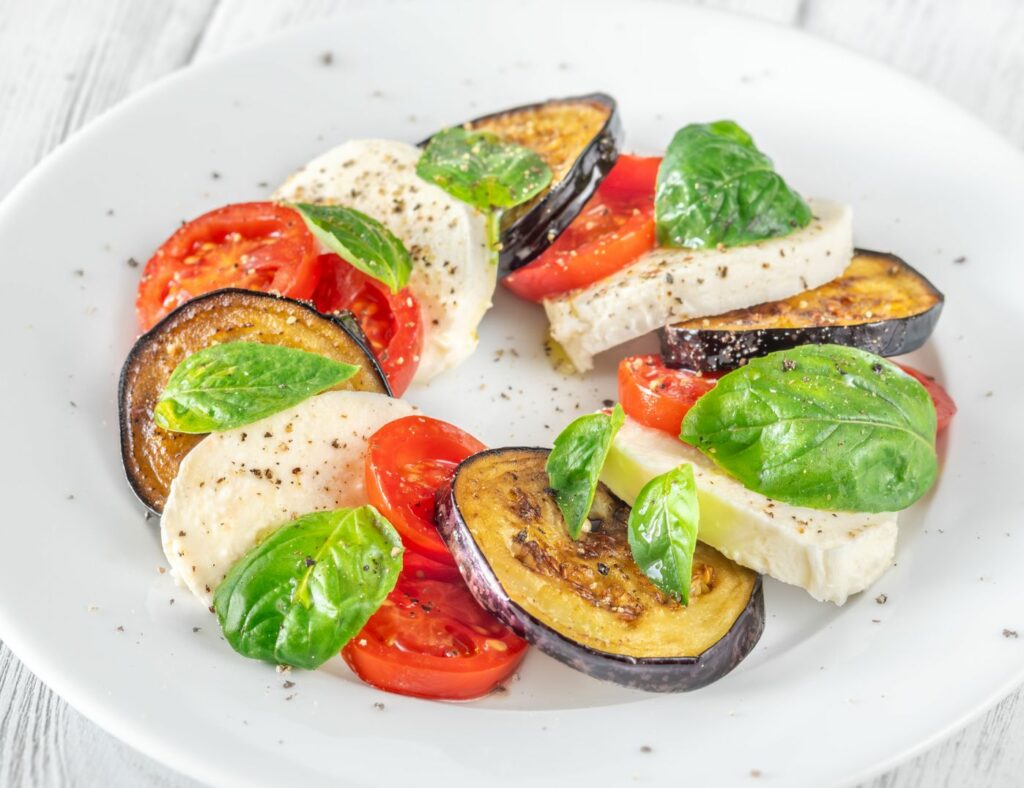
(407, 461)
(431, 639)
(657, 396)
(419, 567)
(254, 245)
(945, 408)
(604, 238)
(632, 177)
(391, 321)
(614, 228)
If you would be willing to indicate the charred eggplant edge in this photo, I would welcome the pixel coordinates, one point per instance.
(721, 350)
(651, 674)
(535, 231)
(342, 321)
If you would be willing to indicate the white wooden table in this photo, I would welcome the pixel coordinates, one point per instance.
(62, 62)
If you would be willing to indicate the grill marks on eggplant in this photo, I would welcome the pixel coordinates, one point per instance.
(579, 137)
(880, 304)
(151, 455)
(586, 603)
(598, 568)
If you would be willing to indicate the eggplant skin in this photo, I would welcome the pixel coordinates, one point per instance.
(151, 455)
(534, 226)
(650, 674)
(839, 313)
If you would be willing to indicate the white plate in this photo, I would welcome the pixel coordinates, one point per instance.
(829, 695)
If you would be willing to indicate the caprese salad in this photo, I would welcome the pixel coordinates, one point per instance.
(315, 512)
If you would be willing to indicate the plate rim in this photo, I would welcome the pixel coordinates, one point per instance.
(91, 702)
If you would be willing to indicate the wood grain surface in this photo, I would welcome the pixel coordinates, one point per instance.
(63, 62)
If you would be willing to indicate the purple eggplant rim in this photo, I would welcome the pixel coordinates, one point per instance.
(722, 350)
(534, 232)
(653, 674)
(345, 321)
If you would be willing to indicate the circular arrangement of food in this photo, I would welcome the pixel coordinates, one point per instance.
(316, 513)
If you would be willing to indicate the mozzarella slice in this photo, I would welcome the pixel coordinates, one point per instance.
(236, 486)
(830, 554)
(678, 284)
(453, 278)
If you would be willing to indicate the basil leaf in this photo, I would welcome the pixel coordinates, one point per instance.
(361, 240)
(575, 463)
(226, 386)
(822, 426)
(478, 168)
(302, 594)
(663, 530)
(715, 187)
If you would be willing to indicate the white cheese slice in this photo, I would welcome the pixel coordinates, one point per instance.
(236, 486)
(667, 285)
(830, 554)
(453, 278)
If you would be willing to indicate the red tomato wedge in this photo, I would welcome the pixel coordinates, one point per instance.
(945, 408)
(254, 245)
(419, 567)
(614, 228)
(657, 396)
(407, 461)
(632, 177)
(391, 321)
(431, 639)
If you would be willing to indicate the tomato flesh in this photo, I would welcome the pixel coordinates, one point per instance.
(431, 639)
(419, 567)
(407, 461)
(614, 228)
(657, 396)
(945, 407)
(632, 177)
(391, 321)
(255, 246)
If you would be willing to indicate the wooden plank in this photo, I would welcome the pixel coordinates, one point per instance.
(239, 22)
(973, 52)
(62, 63)
(44, 742)
(985, 754)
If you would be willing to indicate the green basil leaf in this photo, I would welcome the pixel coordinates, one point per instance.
(822, 426)
(226, 386)
(663, 530)
(478, 168)
(575, 463)
(303, 593)
(361, 240)
(715, 187)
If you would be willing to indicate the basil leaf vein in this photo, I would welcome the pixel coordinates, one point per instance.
(822, 426)
(480, 169)
(299, 596)
(575, 463)
(226, 386)
(715, 187)
(662, 530)
(361, 240)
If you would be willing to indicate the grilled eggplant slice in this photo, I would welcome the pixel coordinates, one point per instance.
(586, 603)
(879, 304)
(152, 455)
(579, 138)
